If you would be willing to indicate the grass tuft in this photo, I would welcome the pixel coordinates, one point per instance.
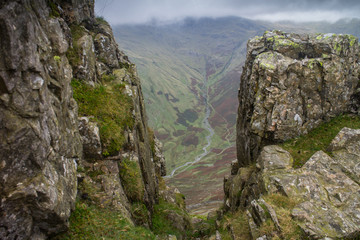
(111, 108)
(101, 20)
(92, 222)
(140, 213)
(283, 207)
(162, 225)
(239, 222)
(131, 180)
(303, 147)
(73, 53)
(54, 11)
(151, 140)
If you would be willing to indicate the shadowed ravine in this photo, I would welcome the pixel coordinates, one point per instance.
(207, 126)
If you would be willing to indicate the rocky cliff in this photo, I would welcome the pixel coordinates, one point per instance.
(48, 157)
(290, 84)
(319, 200)
(293, 85)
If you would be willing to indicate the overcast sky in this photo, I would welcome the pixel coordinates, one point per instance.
(141, 11)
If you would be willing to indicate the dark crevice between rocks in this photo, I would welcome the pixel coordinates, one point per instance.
(354, 105)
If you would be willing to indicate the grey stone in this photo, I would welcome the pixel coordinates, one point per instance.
(40, 143)
(258, 213)
(346, 151)
(326, 189)
(218, 236)
(329, 199)
(254, 230)
(290, 84)
(90, 137)
(87, 64)
(159, 159)
(274, 157)
(272, 213)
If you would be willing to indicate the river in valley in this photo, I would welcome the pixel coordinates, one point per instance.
(207, 126)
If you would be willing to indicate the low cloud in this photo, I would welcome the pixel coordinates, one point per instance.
(141, 11)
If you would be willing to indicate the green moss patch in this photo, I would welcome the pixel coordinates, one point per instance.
(131, 180)
(111, 108)
(205, 228)
(283, 207)
(180, 200)
(151, 140)
(240, 226)
(162, 225)
(92, 222)
(140, 213)
(73, 53)
(101, 20)
(54, 11)
(303, 147)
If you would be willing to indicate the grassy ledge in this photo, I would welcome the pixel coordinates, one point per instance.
(111, 109)
(92, 222)
(283, 207)
(161, 224)
(303, 147)
(239, 222)
(131, 180)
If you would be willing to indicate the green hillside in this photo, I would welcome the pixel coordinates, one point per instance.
(180, 65)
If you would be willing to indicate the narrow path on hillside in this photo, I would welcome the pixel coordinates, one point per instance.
(206, 125)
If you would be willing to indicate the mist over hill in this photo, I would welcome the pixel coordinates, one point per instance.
(188, 66)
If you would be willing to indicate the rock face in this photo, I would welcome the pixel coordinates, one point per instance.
(159, 159)
(44, 45)
(326, 189)
(39, 137)
(290, 84)
(90, 137)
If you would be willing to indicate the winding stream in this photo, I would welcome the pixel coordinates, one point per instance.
(207, 126)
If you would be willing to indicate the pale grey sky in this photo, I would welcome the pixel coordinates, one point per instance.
(140, 11)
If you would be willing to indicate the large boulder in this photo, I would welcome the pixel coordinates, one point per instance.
(290, 84)
(326, 188)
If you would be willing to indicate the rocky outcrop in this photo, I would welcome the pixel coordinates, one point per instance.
(39, 138)
(290, 84)
(159, 158)
(97, 61)
(326, 189)
(90, 136)
(44, 45)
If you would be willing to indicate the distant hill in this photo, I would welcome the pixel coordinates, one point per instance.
(180, 62)
(343, 26)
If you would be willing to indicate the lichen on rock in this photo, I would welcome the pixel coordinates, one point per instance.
(326, 189)
(290, 84)
(47, 158)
